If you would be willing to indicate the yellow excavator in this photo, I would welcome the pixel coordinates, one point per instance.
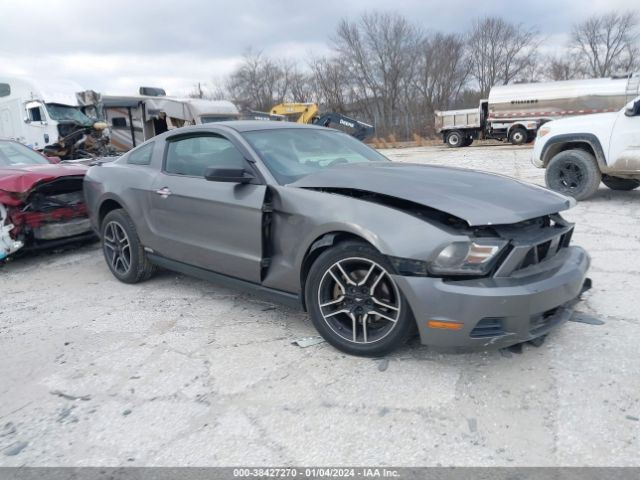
(298, 112)
(310, 113)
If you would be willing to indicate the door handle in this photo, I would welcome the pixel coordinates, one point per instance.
(164, 192)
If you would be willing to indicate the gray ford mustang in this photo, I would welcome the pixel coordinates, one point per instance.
(370, 248)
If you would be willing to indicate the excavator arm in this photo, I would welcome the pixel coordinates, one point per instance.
(353, 127)
(303, 112)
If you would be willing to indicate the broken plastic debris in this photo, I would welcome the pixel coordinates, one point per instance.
(580, 317)
(308, 341)
(383, 365)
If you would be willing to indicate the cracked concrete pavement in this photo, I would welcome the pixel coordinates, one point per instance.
(178, 371)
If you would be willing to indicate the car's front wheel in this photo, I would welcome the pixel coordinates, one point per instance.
(617, 183)
(123, 252)
(354, 301)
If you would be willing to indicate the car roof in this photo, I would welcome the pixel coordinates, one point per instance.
(251, 125)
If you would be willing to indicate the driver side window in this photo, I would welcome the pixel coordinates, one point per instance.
(193, 155)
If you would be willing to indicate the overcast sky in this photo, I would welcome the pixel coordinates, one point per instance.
(115, 46)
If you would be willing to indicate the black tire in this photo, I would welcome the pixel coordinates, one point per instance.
(455, 139)
(617, 183)
(467, 141)
(518, 136)
(574, 173)
(132, 266)
(380, 336)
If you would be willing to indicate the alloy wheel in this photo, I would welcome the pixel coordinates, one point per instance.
(359, 300)
(117, 247)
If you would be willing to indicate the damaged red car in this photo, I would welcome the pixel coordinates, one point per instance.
(41, 202)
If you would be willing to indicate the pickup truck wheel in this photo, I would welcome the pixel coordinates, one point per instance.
(518, 136)
(574, 173)
(123, 252)
(455, 139)
(617, 183)
(354, 302)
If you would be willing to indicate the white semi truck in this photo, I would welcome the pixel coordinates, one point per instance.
(515, 112)
(45, 115)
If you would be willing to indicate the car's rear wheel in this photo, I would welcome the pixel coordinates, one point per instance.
(355, 303)
(122, 249)
(573, 172)
(617, 183)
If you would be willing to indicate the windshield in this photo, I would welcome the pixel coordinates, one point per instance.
(16, 154)
(67, 113)
(293, 153)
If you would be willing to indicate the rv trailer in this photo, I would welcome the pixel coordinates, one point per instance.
(133, 119)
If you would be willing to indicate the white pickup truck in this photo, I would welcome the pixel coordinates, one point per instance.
(580, 152)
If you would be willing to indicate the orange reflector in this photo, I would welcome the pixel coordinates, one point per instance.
(445, 325)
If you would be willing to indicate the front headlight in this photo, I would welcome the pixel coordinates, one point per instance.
(475, 257)
(543, 131)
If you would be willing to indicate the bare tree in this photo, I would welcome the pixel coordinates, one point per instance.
(558, 67)
(259, 82)
(442, 70)
(330, 83)
(607, 44)
(378, 54)
(500, 52)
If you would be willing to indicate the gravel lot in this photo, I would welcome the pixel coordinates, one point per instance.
(177, 371)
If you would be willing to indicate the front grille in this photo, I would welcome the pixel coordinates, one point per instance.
(488, 327)
(534, 243)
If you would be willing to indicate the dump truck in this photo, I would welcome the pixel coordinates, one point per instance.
(515, 112)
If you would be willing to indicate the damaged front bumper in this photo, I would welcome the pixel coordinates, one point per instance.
(497, 312)
(51, 214)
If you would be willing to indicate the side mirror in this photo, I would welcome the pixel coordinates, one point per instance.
(633, 109)
(231, 175)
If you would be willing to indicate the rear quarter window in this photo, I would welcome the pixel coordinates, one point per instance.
(141, 156)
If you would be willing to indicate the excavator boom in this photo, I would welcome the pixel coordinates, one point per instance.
(303, 112)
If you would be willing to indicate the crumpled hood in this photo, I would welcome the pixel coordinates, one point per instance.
(20, 179)
(476, 197)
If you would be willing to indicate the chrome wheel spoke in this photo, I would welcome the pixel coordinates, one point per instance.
(338, 282)
(382, 315)
(364, 327)
(366, 277)
(343, 310)
(385, 305)
(376, 282)
(333, 302)
(345, 275)
(354, 326)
